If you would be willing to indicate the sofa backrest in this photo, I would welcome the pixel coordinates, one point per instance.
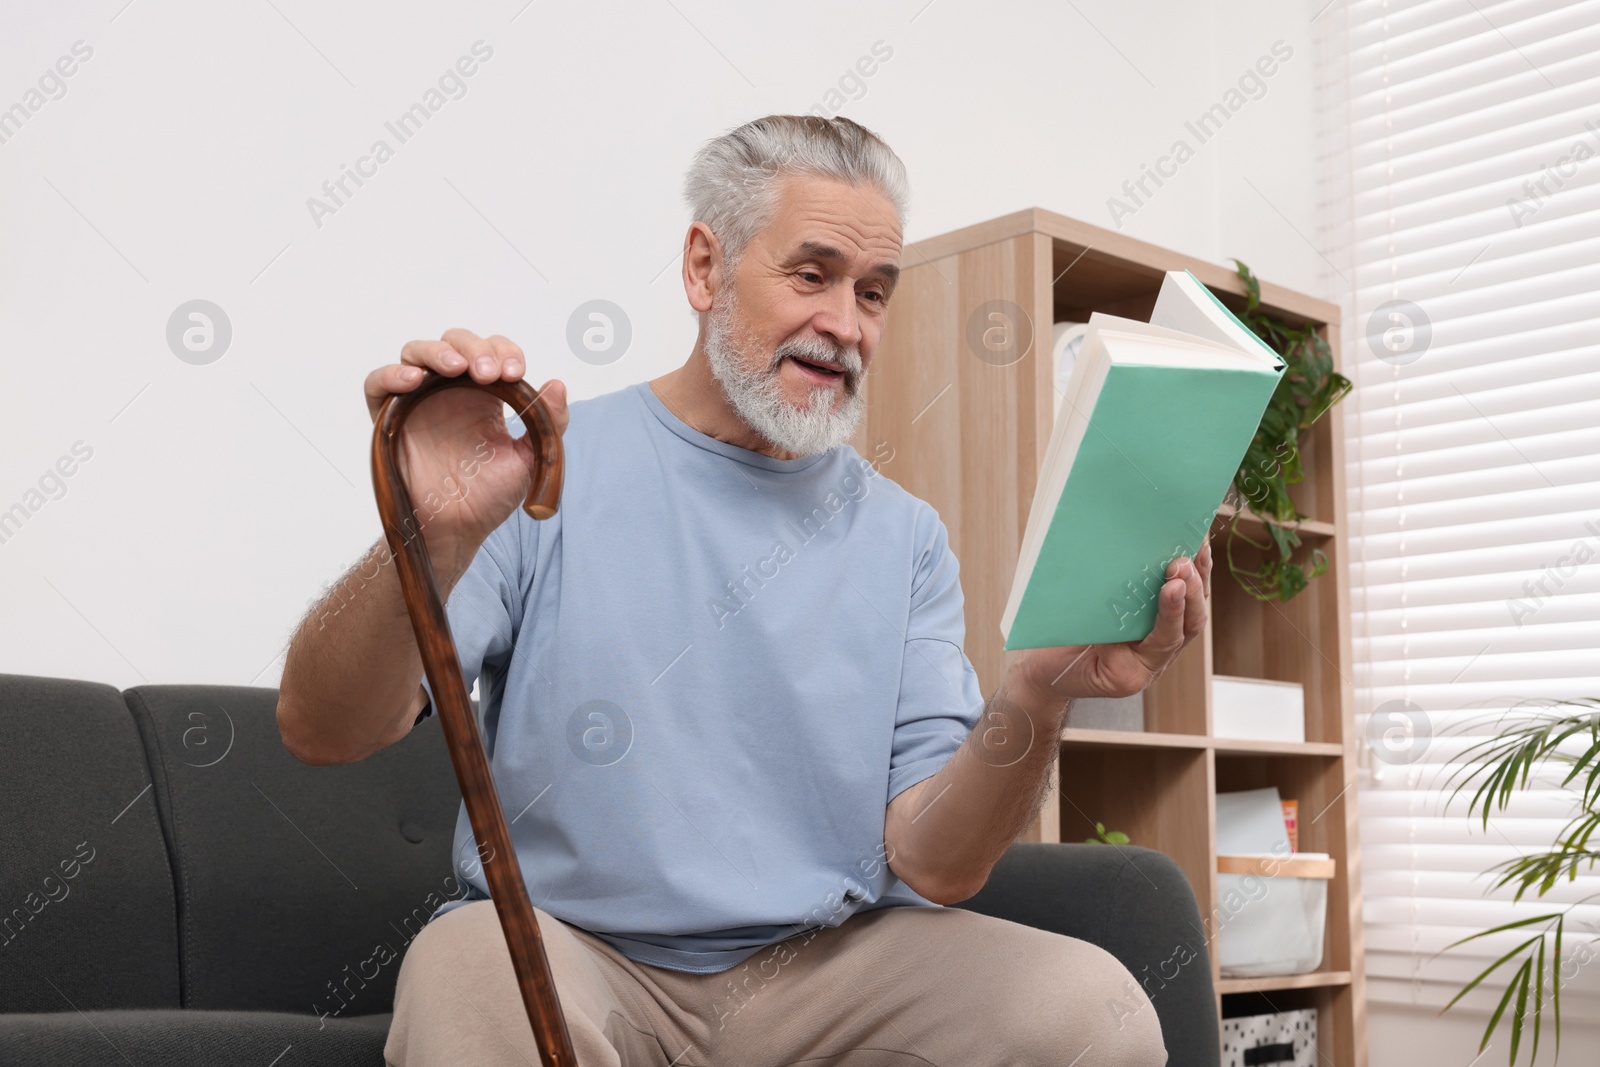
(162, 849)
(88, 915)
(298, 887)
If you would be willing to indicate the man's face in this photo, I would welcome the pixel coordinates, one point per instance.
(792, 331)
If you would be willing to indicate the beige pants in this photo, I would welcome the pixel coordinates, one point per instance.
(895, 987)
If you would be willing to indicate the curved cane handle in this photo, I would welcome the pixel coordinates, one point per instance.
(419, 586)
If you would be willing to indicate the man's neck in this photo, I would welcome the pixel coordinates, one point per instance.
(694, 395)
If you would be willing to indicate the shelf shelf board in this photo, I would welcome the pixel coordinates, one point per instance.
(1131, 739)
(1314, 980)
(1313, 527)
(1226, 746)
(1234, 746)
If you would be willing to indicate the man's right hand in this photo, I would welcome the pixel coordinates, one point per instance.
(466, 474)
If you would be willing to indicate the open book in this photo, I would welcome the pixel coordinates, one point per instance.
(1154, 422)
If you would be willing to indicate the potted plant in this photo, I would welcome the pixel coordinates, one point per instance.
(1529, 739)
(1109, 837)
(1309, 387)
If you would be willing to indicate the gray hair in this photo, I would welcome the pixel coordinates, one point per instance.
(732, 184)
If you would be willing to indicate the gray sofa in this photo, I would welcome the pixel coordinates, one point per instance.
(177, 889)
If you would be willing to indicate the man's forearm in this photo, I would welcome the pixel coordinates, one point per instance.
(350, 679)
(962, 819)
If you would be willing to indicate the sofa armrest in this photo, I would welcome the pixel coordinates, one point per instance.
(1136, 904)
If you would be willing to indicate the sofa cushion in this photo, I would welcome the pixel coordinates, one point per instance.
(87, 912)
(299, 887)
(1137, 905)
(191, 1039)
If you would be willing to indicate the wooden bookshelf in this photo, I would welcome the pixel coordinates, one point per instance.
(968, 416)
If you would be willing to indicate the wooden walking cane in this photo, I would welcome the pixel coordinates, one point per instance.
(420, 588)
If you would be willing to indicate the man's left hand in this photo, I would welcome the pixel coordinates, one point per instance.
(1123, 669)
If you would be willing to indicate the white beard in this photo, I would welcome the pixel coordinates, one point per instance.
(756, 393)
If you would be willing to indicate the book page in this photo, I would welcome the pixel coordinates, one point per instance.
(1157, 346)
(1185, 304)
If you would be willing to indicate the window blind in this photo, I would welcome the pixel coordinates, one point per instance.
(1462, 226)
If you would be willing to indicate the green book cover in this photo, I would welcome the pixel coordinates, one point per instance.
(1160, 450)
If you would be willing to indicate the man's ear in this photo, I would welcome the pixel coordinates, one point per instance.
(703, 266)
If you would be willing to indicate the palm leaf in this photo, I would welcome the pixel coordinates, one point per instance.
(1495, 769)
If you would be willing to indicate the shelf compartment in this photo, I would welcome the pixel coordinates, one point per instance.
(1331, 993)
(1159, 796)
(1324, 797)
(1295, 641)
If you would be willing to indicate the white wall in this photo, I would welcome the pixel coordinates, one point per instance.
(220, 499)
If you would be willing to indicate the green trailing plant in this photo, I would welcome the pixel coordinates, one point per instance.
(1104, 836)
(1564, 733)
(1309, 387)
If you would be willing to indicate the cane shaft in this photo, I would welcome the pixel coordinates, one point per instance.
(420, 588)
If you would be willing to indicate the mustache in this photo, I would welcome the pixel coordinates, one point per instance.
(820, 351)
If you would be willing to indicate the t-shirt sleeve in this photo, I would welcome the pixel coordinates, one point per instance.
(485, 606)
(940, 699)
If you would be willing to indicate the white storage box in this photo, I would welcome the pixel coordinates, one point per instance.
(1107, 713)
(1272, 913)
(1254, 709)
(1283, 1039)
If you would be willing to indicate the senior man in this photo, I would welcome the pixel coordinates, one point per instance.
(723, 688)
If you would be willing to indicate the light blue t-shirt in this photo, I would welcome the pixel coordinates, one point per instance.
(702, 681)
